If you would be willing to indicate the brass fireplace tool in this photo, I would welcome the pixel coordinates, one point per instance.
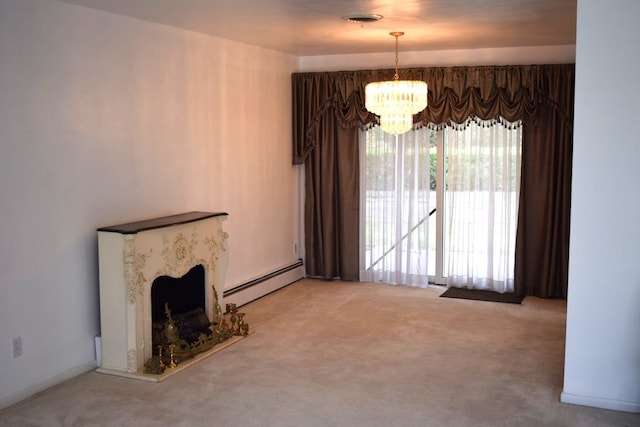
(238, 325)
(175, 348)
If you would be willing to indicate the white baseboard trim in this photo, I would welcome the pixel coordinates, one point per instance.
(261, 286)
(42, 386)
(599, 402)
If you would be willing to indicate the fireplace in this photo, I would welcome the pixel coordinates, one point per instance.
(176, 263)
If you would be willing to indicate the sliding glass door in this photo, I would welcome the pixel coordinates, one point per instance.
(483, 160)
(440, 206)
(398, 206)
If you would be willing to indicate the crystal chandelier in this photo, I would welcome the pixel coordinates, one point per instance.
(396, 101)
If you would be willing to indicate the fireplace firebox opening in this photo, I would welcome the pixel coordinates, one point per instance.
(184, 297)
(183, 294)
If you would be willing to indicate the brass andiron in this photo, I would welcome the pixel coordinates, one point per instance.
(233, 318)
(222, 331)
(176, 343)
(154, 366)
(238, 324)
(241, 324)
(175, 349)
(172, 356)
(161, 362)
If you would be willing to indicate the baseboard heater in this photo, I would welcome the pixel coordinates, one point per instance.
(261, 286)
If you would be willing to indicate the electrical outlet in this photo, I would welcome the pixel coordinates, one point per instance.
(17, 347)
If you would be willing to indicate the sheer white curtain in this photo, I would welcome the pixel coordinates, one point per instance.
(395, 204)
(481, 203)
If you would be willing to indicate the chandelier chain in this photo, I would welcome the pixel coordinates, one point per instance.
(396, 35)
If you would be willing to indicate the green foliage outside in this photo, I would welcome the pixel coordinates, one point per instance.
(381, 165)
(473, 167)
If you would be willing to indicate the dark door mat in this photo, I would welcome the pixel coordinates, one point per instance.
(482, 295)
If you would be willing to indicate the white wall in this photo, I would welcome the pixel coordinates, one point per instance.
(602, 357)
(104, 120)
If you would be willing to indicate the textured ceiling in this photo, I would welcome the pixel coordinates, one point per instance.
(315, 27)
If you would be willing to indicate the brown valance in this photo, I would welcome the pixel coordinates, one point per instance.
(455, 94)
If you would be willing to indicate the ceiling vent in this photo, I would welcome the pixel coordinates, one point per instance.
(364, 18)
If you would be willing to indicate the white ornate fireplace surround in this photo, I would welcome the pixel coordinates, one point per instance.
(131, 256)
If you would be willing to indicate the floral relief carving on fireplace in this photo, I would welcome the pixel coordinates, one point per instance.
(131, 360)
(134, 264)
(214, 245)
(179, 255)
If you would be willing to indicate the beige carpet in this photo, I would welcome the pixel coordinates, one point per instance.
(350, 354)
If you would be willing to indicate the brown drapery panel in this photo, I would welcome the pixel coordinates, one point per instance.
(542, 241)
(540, 95)
(332, 203)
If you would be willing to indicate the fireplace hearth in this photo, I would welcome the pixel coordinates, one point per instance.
(173, 264)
